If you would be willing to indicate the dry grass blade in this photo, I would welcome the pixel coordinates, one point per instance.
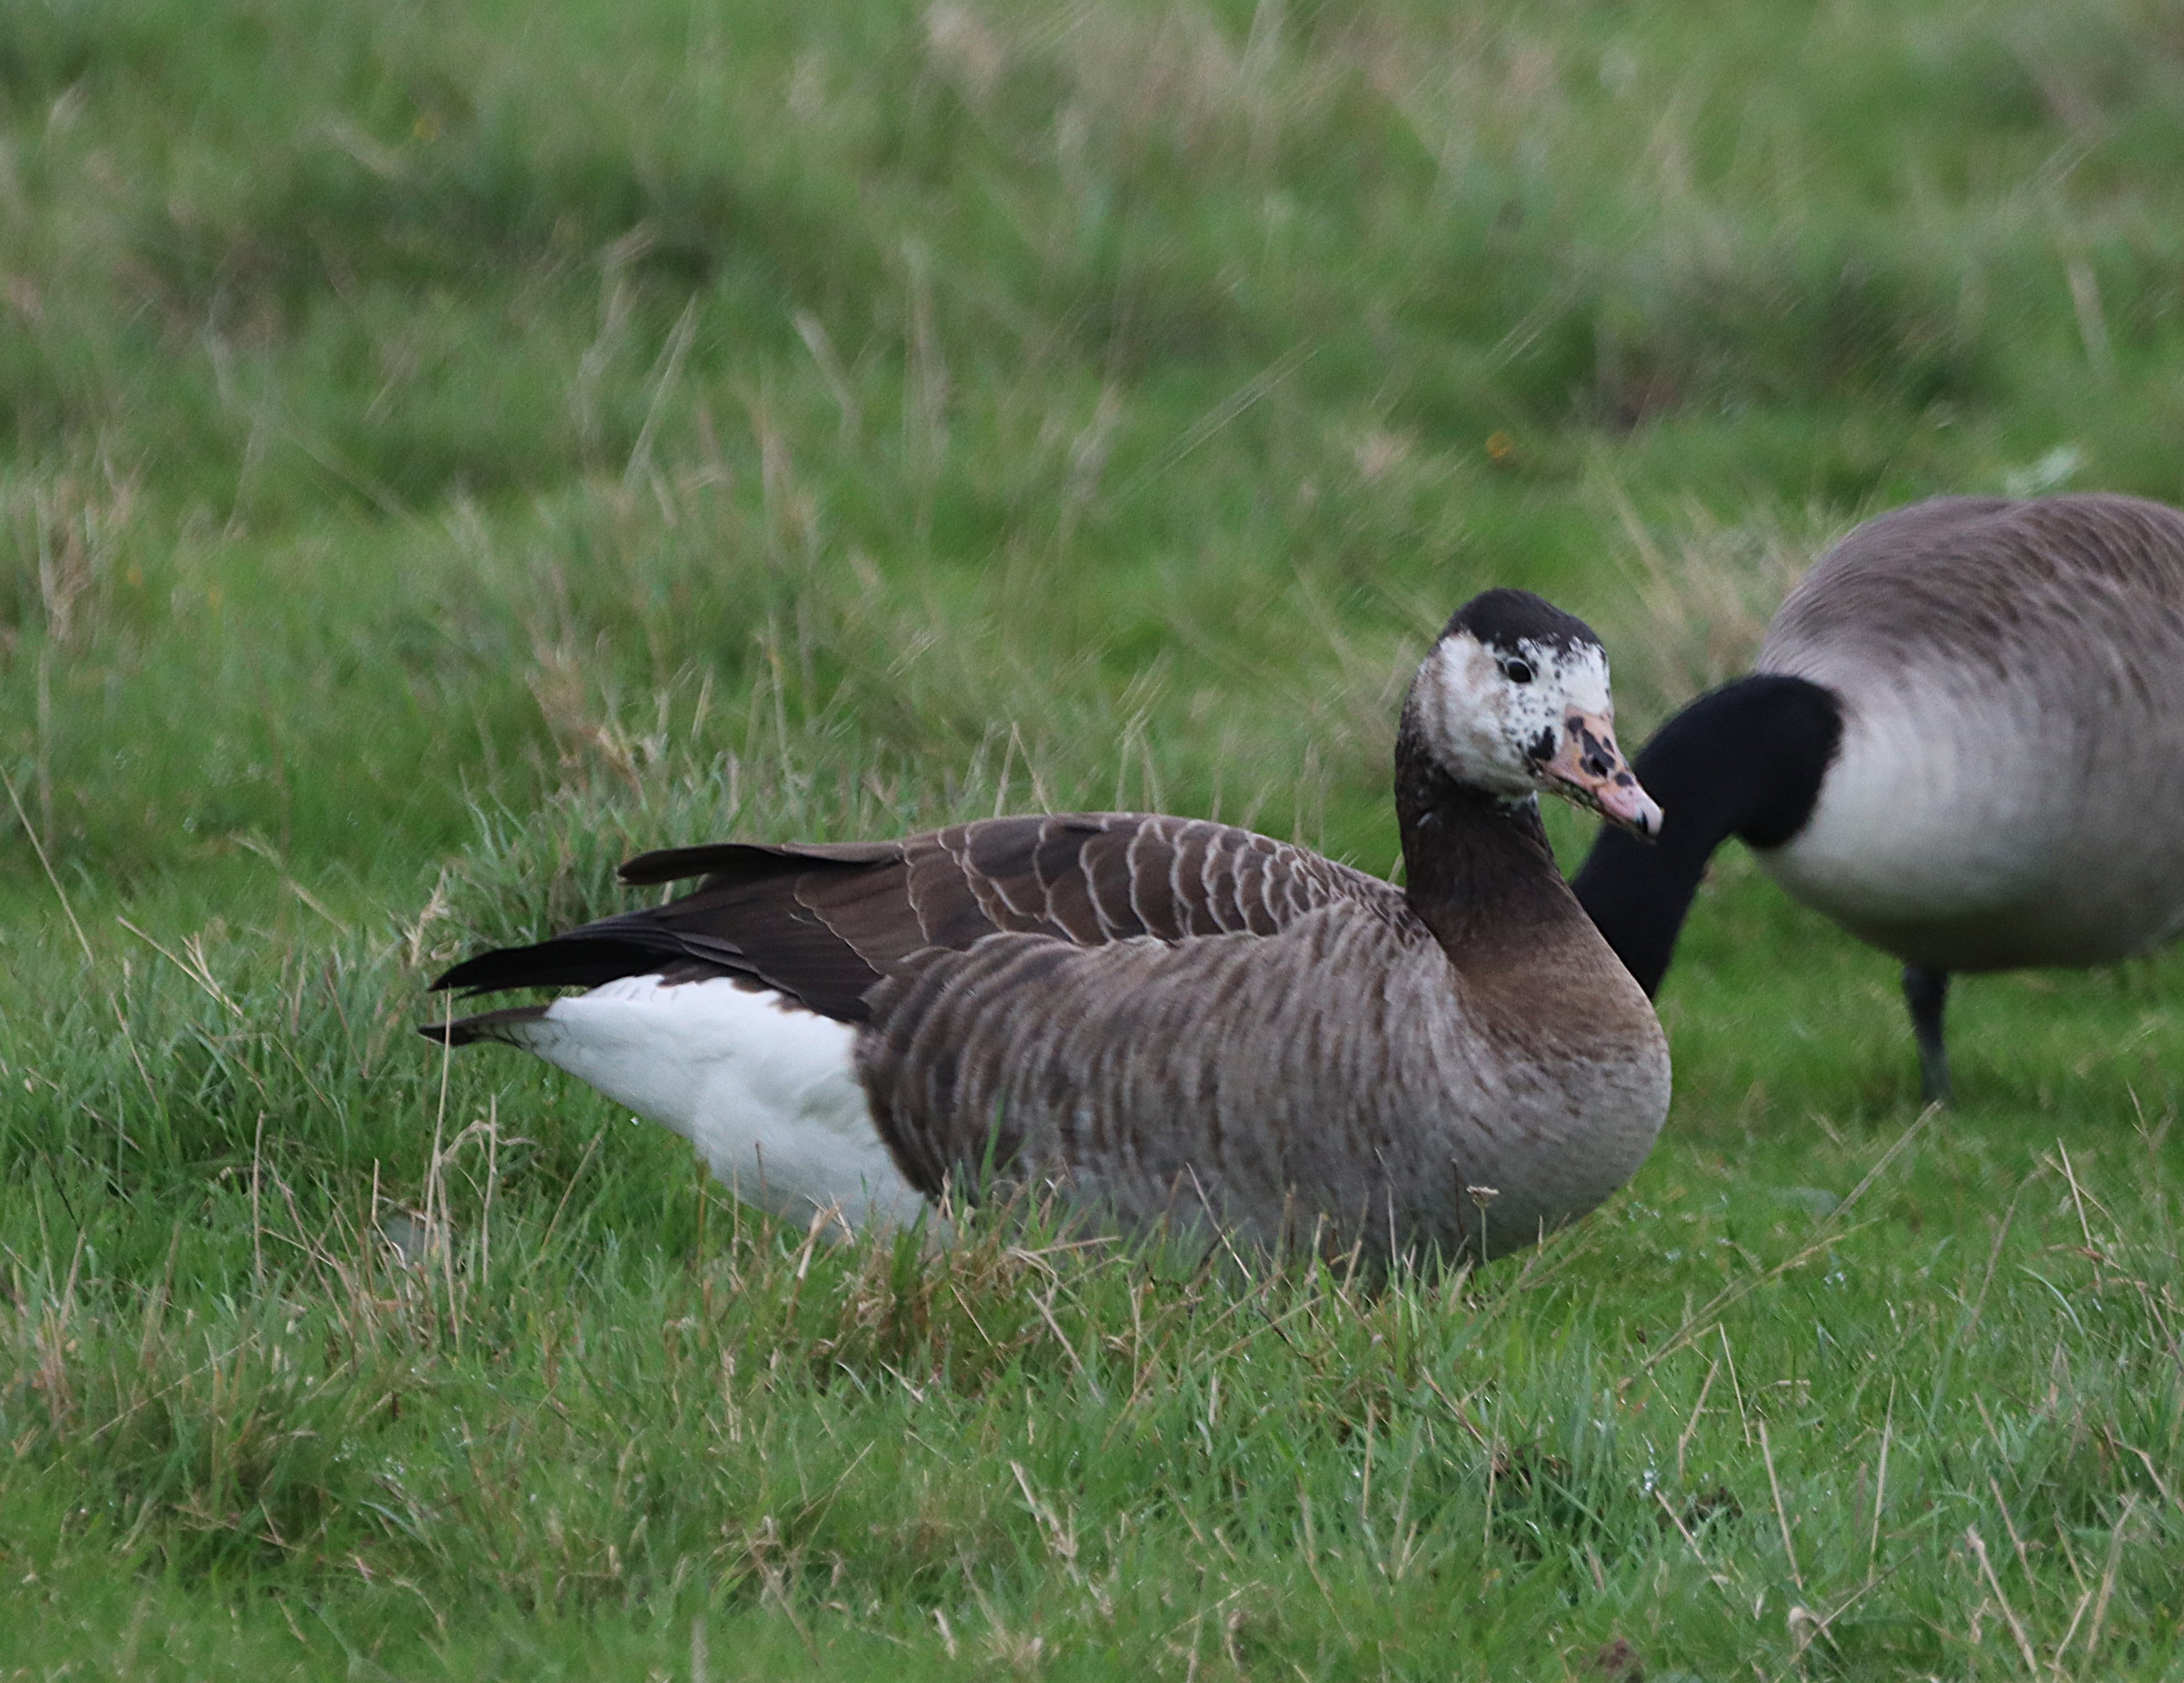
(1782, 1513)
(45, 864)
(2008, 1613)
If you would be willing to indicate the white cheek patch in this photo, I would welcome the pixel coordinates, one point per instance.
(1536, 709)
(1467, 718)
(1564, 681)
(1576, 677)
(1492, 731)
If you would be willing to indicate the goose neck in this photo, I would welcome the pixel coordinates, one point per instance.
(1747, 760)
(1477, 866)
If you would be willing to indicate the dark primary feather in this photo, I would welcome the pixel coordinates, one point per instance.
(826, 923)
(485, 1025)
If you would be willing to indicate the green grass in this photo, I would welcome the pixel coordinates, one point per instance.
(444, 448)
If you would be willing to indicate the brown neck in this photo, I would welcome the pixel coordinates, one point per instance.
(1477, 868)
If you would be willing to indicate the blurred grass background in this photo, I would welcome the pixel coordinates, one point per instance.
(449, 447)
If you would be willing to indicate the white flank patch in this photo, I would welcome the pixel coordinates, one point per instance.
(767, 1090)
(1935, 808)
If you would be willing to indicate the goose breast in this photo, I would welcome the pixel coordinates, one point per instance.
(1343, 1055)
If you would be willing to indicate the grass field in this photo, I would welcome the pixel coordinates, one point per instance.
(449, 447)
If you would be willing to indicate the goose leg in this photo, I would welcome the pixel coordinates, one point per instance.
(1926, 991)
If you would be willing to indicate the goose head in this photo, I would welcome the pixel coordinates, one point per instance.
(1513, 701)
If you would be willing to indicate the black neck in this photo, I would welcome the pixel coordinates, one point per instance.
(1745, 760)
(1474, 865)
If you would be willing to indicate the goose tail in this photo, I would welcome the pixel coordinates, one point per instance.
(506, 1026)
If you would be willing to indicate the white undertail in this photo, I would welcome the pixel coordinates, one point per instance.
(767, 1090)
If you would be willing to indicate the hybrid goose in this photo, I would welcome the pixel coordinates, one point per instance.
(1165, 1019)
(1964, 742)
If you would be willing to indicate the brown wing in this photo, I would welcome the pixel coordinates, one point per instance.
(826, 923)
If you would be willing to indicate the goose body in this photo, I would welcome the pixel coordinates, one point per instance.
(1165, 1019)
(1963, 741)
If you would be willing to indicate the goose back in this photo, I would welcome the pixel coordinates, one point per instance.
(2010, 780)
(824, 923)
(1348, 1051)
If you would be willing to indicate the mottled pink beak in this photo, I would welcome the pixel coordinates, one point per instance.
(1588, 769)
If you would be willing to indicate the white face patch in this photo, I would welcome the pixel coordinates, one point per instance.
(1493, 717)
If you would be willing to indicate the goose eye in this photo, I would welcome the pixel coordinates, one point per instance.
(1516, 671)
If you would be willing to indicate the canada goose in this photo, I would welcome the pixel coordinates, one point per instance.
(1964, 742)
(1159, 1016)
